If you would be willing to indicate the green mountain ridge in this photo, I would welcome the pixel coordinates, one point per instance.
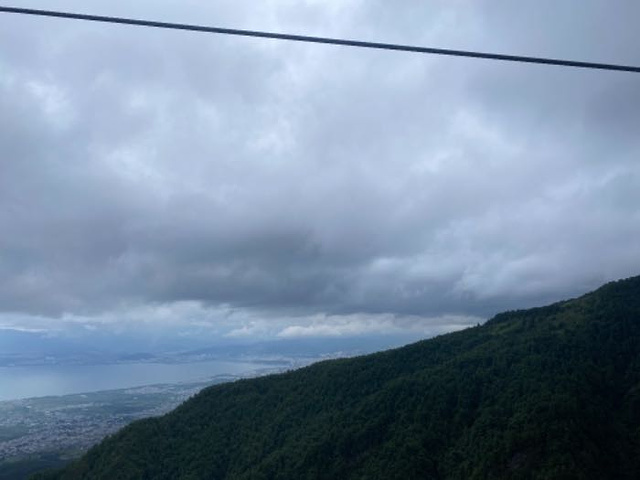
(549, 392)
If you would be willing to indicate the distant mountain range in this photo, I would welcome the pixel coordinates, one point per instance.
(36, 348)
(545, 393)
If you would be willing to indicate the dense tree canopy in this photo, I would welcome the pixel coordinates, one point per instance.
(550, 392)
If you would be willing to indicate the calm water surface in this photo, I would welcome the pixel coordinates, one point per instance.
(44, 380)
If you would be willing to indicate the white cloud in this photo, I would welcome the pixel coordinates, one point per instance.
(356, 325)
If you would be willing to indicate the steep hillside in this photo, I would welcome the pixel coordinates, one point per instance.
(550, 392)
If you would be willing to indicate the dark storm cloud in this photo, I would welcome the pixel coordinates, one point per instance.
(147, 167)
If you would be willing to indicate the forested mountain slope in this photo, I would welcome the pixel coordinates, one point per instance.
(551, 392)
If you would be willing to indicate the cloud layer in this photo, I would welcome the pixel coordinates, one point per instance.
(142, 167)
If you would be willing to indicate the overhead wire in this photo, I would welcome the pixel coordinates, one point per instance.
(321, 40)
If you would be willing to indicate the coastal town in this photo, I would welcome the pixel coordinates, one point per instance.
(71, 424)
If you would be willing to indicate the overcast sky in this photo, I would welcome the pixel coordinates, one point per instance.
(264, 188)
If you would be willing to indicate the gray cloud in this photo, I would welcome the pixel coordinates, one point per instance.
(142, 167)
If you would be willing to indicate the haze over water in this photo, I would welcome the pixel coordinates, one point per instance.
(45, 380)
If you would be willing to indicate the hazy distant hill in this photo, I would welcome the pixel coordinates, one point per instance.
(546, 393)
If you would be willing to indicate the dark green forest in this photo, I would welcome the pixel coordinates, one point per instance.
(544, 393)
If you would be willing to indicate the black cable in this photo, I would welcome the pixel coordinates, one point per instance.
(330, 41)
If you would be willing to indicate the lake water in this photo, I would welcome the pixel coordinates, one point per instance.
(45, 380)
